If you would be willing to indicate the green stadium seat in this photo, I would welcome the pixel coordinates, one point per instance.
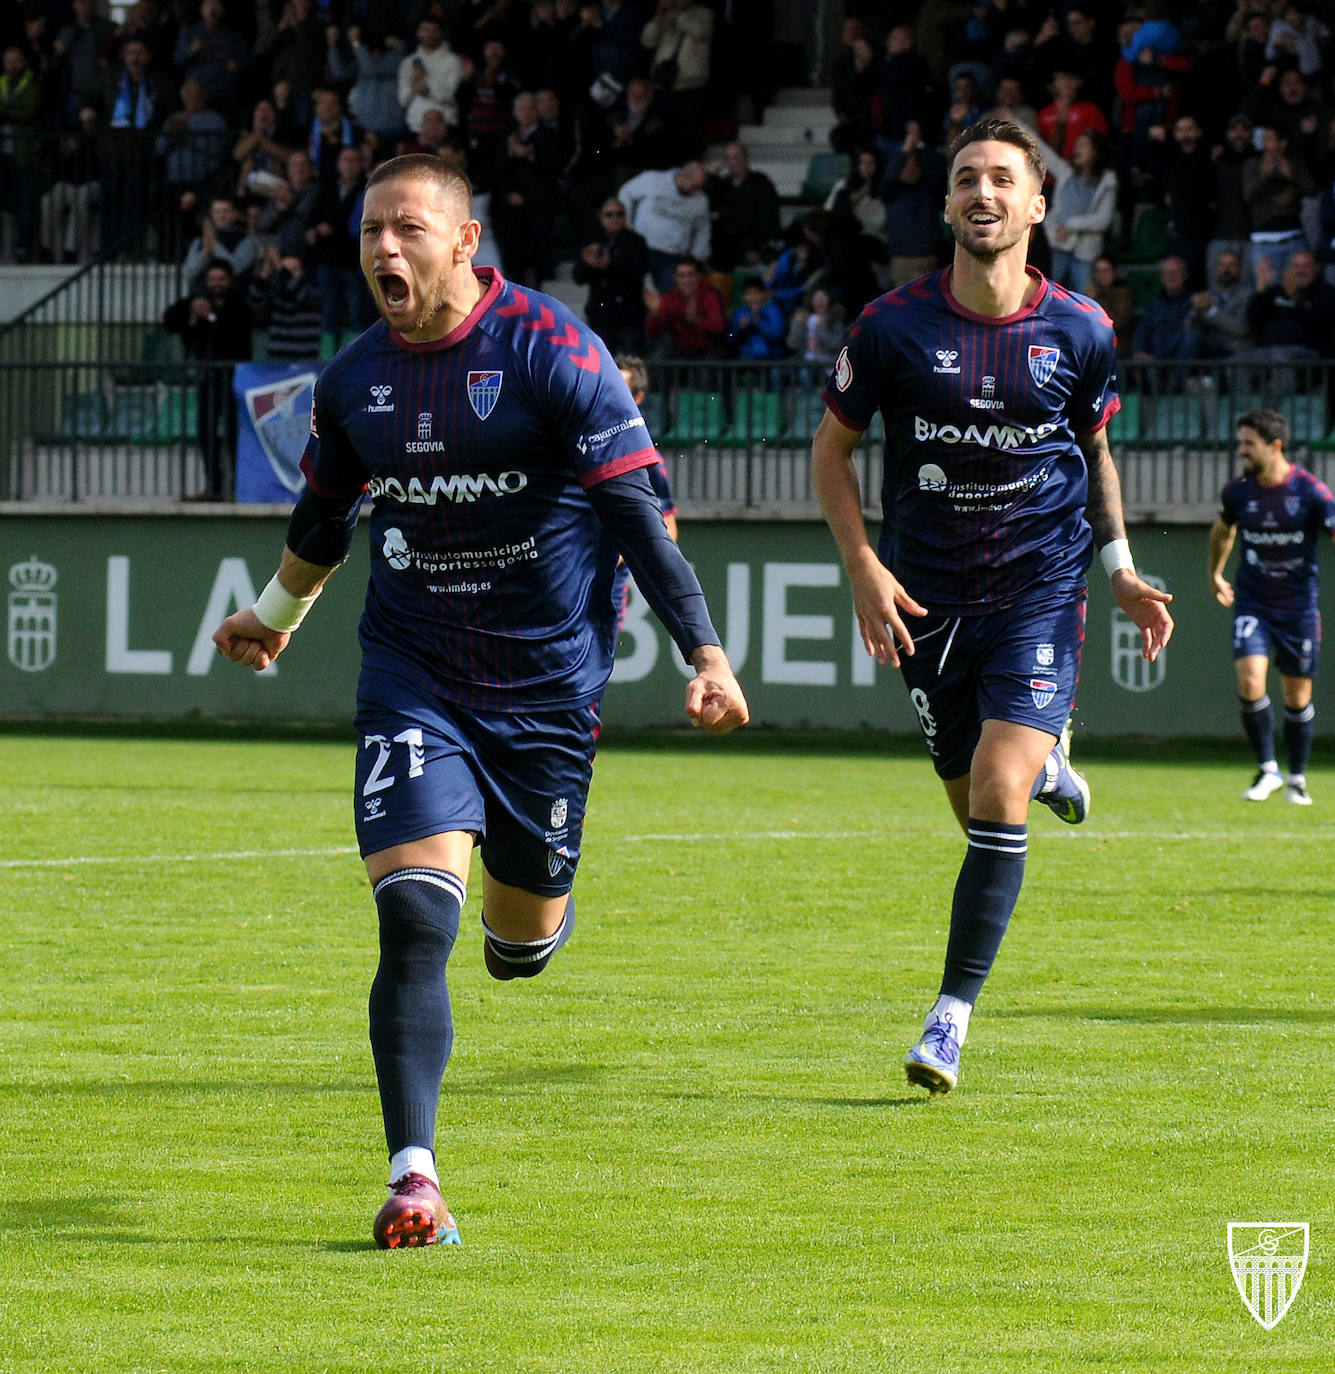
(178, 416)
(83, 415)
(134, 415)
(697, 417)
(823, 171)
(654, 410)
(757, 418)
(1150, 234)
(1124, 427)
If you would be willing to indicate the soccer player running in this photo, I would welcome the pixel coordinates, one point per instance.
(1281, 510)
(507, 466)
(996, 386)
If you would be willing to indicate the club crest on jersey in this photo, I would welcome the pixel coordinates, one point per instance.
(1293, 504)
(483, 390)
(1043, 362)
(843, 371)
(1042, 691)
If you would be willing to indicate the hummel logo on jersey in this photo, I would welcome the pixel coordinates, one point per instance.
(1043, 362)
(843, 371)
(380, 395)
(483, 390)
(947, 360)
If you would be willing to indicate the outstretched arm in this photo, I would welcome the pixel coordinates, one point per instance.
(1145, 604)
(257, 634)
(879, 600)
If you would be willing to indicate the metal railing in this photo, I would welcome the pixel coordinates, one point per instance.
(736, 435)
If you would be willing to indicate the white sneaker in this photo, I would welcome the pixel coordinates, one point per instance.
(1265, 784)
(1296, 792)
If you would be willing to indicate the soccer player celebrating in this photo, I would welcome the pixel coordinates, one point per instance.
(996, 386)
(507, 465)
(1281, 510)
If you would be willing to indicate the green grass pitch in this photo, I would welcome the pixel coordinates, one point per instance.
(690, 1145)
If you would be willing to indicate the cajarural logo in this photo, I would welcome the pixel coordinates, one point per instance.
(32, 615)
(1268, 1260)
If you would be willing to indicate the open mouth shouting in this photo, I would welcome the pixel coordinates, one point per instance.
(394, 292)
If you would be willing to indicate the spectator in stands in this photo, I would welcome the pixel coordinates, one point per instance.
(1145, 77)
(614, 30)
(817, 329)
(803, 266)
(331, 132)
(965, 106)
(613, 265)
(194, 141)
(261, 161)
(1162, 332)
(1117, 299)
(1299, 37)
(563, 134)
(678, 39)
(132, 104)
(78, 48)
(1185, 170)
(1275, 185)
(641, 138)
(214, 54)
(859, 246)
(757, 328)
(744, 209)
(297, 51)
(20, 121)
(525, 197)
(1080, 208)
(334, 244)
(1219, 312)
(1284, 102)
(671, 212)
(223, 237)
(285, 300)
(1011, 104)
(857, 79)
(1250, 28)
(907, 92)
(485, 100)
(291, 211)
(1326, 235)
(915, 182)
(68, 222)
(1292, 319)
(370, 68)
(1080, 48)
(214, 324)
(1231, 224)
(430, 75)
(1068, 116)
(688, 320)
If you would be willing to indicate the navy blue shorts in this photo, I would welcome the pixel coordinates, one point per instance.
(1020, 665)
(1292, 644)
(518, 782)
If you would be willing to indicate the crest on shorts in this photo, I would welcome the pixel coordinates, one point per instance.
(1042, 690)
(559, 809)
(557, 860)
(1268, 1259)
(483, 390)
(1043, 362)
(1045, 655)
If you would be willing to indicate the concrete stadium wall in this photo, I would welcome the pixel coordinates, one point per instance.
(109, 616)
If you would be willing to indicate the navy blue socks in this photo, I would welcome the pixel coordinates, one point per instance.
(412, 1030)
(985, 895)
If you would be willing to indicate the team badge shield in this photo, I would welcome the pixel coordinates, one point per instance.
(1043, 362)
(1042, 690)
(1268, 1259)
(483, 390)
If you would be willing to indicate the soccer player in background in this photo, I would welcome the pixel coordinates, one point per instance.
(1281, 510)
(996, 386)
(507, 465)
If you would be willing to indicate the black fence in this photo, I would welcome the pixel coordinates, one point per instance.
(736, 436)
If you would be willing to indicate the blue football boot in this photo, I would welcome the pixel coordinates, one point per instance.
(934, 1062)
(1064, 792)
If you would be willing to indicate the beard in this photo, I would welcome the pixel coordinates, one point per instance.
(966, 236)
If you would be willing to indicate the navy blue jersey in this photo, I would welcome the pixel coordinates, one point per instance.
(985, 487)
(658, 479)
(1278, 528)
(491, 575)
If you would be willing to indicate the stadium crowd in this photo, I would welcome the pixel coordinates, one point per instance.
(1197, 137)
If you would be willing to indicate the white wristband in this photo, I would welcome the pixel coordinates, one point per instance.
(1116, 554)
(277, 609)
